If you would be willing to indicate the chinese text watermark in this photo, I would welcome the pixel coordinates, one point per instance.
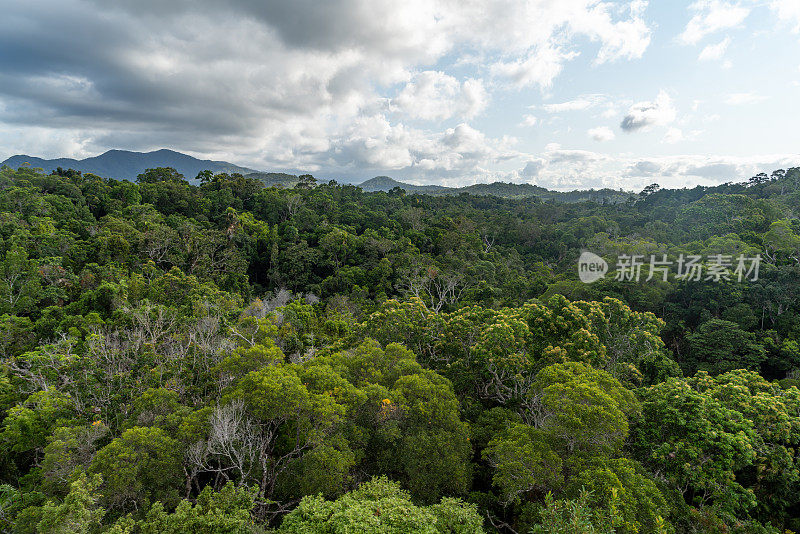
(640, 267)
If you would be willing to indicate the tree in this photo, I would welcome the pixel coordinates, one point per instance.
(574, 413)
(28, 425)
(160, 174)
(781, 243)
(78, 514)
(574, 517)
(69, 452)
(410, 417)
(144, 464)
(649, 190)
(19, 286)
(305, 181)
(267, 422)
(774, 475)
(719, 346)
(226, 511)
(523, 462)
(431, 451)
(381, 506)
(697, 443)
(620, 484)
(583, 411)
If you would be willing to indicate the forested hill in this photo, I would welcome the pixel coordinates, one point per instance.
(386, 184)
(498, 189)
(222, 356)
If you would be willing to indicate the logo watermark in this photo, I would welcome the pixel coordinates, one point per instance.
(639, 267)
(591, 267)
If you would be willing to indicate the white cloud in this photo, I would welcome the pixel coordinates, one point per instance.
(601, 133)
(372, 144)
(644, 168)
(682, 170)
(552, 147)
(67, 142)
(738, 99)
(788, 10)
(712, 16)
(659, 112)
(673, 135)
(582, 157)
(570, 169)
(540, 67)
(714, 52)
(532, 39)
(610, 111)
(627, 38)
(529, 120)
(433, 95)
(578, 104)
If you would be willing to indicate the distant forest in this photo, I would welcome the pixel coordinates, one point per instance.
(238, 358)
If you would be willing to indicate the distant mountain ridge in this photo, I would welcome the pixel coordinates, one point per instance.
(274, 179)
(498, 189)
(384, 183)
(126, 164)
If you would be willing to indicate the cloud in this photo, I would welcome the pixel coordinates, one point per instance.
(659, 112)
(529, 120)
(433, 95)
(578, 104)
(683, 170)
(789, 11)
(540, 67)
(537, 31)
(560, 155)
(714, 52)
(288, 85)
(644, 168)
(738, 99)
(570, 169)
(717, 171)
(532, 168)
(676, 135)
(601, 133)
(626, 38)
(346, 87)
(710, 17)
(673, 135)
(373, 143)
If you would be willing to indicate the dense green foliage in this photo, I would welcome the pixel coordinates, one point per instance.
(226, 357)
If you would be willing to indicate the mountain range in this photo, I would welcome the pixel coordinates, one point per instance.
(498, 189)
(125, 164)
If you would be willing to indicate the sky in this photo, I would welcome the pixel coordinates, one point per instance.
(564, 94)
